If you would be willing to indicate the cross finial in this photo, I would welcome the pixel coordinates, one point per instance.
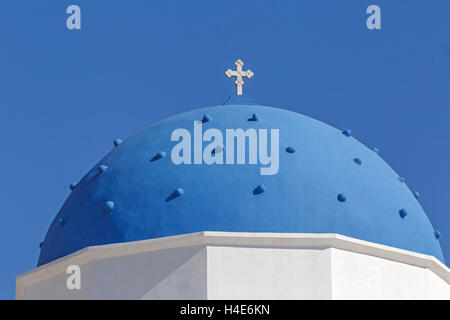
(239, 74)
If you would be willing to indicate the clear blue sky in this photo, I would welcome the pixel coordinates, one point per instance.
(65, 95)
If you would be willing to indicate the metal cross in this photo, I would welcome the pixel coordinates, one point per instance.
(239, 74)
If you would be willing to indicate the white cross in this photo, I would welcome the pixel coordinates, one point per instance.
(239, 74)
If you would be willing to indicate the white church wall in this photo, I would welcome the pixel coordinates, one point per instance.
(361, 276)
(160, 274)
(227, 265)
(268, 273)
(53, 285)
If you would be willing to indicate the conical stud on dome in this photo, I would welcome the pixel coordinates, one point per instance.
(259, 189)
(403, 213)
(109, 206)
(206, 118)
(159, 155)
(116, 142)
(347, 133)
(218, 149)
(290, 149)
(177, 193)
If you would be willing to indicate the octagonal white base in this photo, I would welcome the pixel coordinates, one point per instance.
(230, 265)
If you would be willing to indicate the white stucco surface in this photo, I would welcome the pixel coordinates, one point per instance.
(228, 265)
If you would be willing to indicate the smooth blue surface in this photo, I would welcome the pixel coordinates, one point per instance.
(155, 199)
(65, 95)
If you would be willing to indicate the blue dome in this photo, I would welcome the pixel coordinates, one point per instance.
(327, 182)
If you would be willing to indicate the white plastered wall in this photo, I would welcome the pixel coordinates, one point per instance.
(227, 265)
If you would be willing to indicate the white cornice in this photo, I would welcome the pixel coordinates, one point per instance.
(237, 239)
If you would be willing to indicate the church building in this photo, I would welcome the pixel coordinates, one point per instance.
(240, 201)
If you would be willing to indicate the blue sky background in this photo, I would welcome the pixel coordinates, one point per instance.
(65, 95)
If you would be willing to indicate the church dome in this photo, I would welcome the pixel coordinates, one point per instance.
(327, 182)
